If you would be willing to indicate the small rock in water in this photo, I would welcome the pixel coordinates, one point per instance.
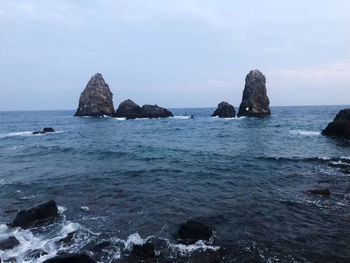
(224, 110)
(129, 110)
(339, 165)
(323, 192)
(45, 130)
(145, 251)
(11, 211)
(70, 258)
(154, 111)
(37, 215)
(37, 253)
(68, 238)
(192, 231)
(9, 243)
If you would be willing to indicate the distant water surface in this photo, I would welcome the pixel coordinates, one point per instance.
(126, 182)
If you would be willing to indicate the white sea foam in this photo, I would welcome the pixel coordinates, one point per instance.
(181, 117)
(134, 239)
(61, 209)
(120, 119)
(187, 249)
(305, 133)
(85, 208)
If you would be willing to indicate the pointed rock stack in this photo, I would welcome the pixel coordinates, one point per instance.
(97, 99)
(255, 102)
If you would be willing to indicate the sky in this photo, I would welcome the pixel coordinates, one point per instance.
(174, 53)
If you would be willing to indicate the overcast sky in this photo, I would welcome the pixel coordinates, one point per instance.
(176, 53)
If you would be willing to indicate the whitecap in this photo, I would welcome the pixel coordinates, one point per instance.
(305, 133)
(120, 119)
(61, 209)
(187, 249)
(181, 117)
(85, 208)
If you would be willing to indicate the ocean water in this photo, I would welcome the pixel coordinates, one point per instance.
(132, 181)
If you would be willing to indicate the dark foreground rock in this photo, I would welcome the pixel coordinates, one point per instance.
(255, 102)
(192, 231)
(154, 111)
(9, 243)
(340, 126)
(45, 130)
(129, 110)
(145, 251)
(70, 258)
(323, 192)
(224, 110)
(97, 99)
(37, 215)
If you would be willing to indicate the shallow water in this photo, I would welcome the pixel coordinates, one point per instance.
(130, 181)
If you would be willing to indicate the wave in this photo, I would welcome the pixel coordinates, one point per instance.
(323, 159)
(120, 119)
(181, 117)
(305, 133)
(26, 133)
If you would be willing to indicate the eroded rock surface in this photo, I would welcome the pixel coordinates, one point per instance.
(224, 110)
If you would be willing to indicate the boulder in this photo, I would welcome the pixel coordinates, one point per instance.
(255, 102)
(340, 126)
(224, 110)
(45, 130)
(145, 251)
(37, 215)
(9, 243)
(97, 99)
(192, 231)
(70, 258)
(154, 111)
(129, 110)
(323, 192)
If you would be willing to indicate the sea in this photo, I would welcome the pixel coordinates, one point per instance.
(121, 182)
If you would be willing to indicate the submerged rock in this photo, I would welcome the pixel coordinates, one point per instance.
(339, 165)
(97, 99)
(129, 110)
(340, 126)
(192, 231)
(37, 215)
(70, 258)
(45, 130)
(255, 102)
(224, 110)
(154, 111)
(9, 243)
(37, 253)
(323, 192)
(145, 251)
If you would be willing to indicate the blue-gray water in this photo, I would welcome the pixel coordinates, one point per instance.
(142, 178)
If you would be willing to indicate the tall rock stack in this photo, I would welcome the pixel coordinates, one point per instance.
(97, 99)
(255, 102)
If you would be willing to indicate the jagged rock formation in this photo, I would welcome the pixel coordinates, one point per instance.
(340, 126)
(224, 110)
(192, 231)
(154, 111)
(129, 110)
(96, 99)
(255, 102)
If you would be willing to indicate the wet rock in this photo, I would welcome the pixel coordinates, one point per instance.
(340, 126)
(68, 238)
(255, 102)
(37, 215)
(339, 165)
(129, 110)
(10, 211)
(192, 231)
(145, 251)
(37, 253)
(10, 260)
(323, 192)
(224, 110)
(45, 130)
(209, 256)
(9, 243)
(71, 258)
(154, 111)
(97, 99)
(100, 246)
